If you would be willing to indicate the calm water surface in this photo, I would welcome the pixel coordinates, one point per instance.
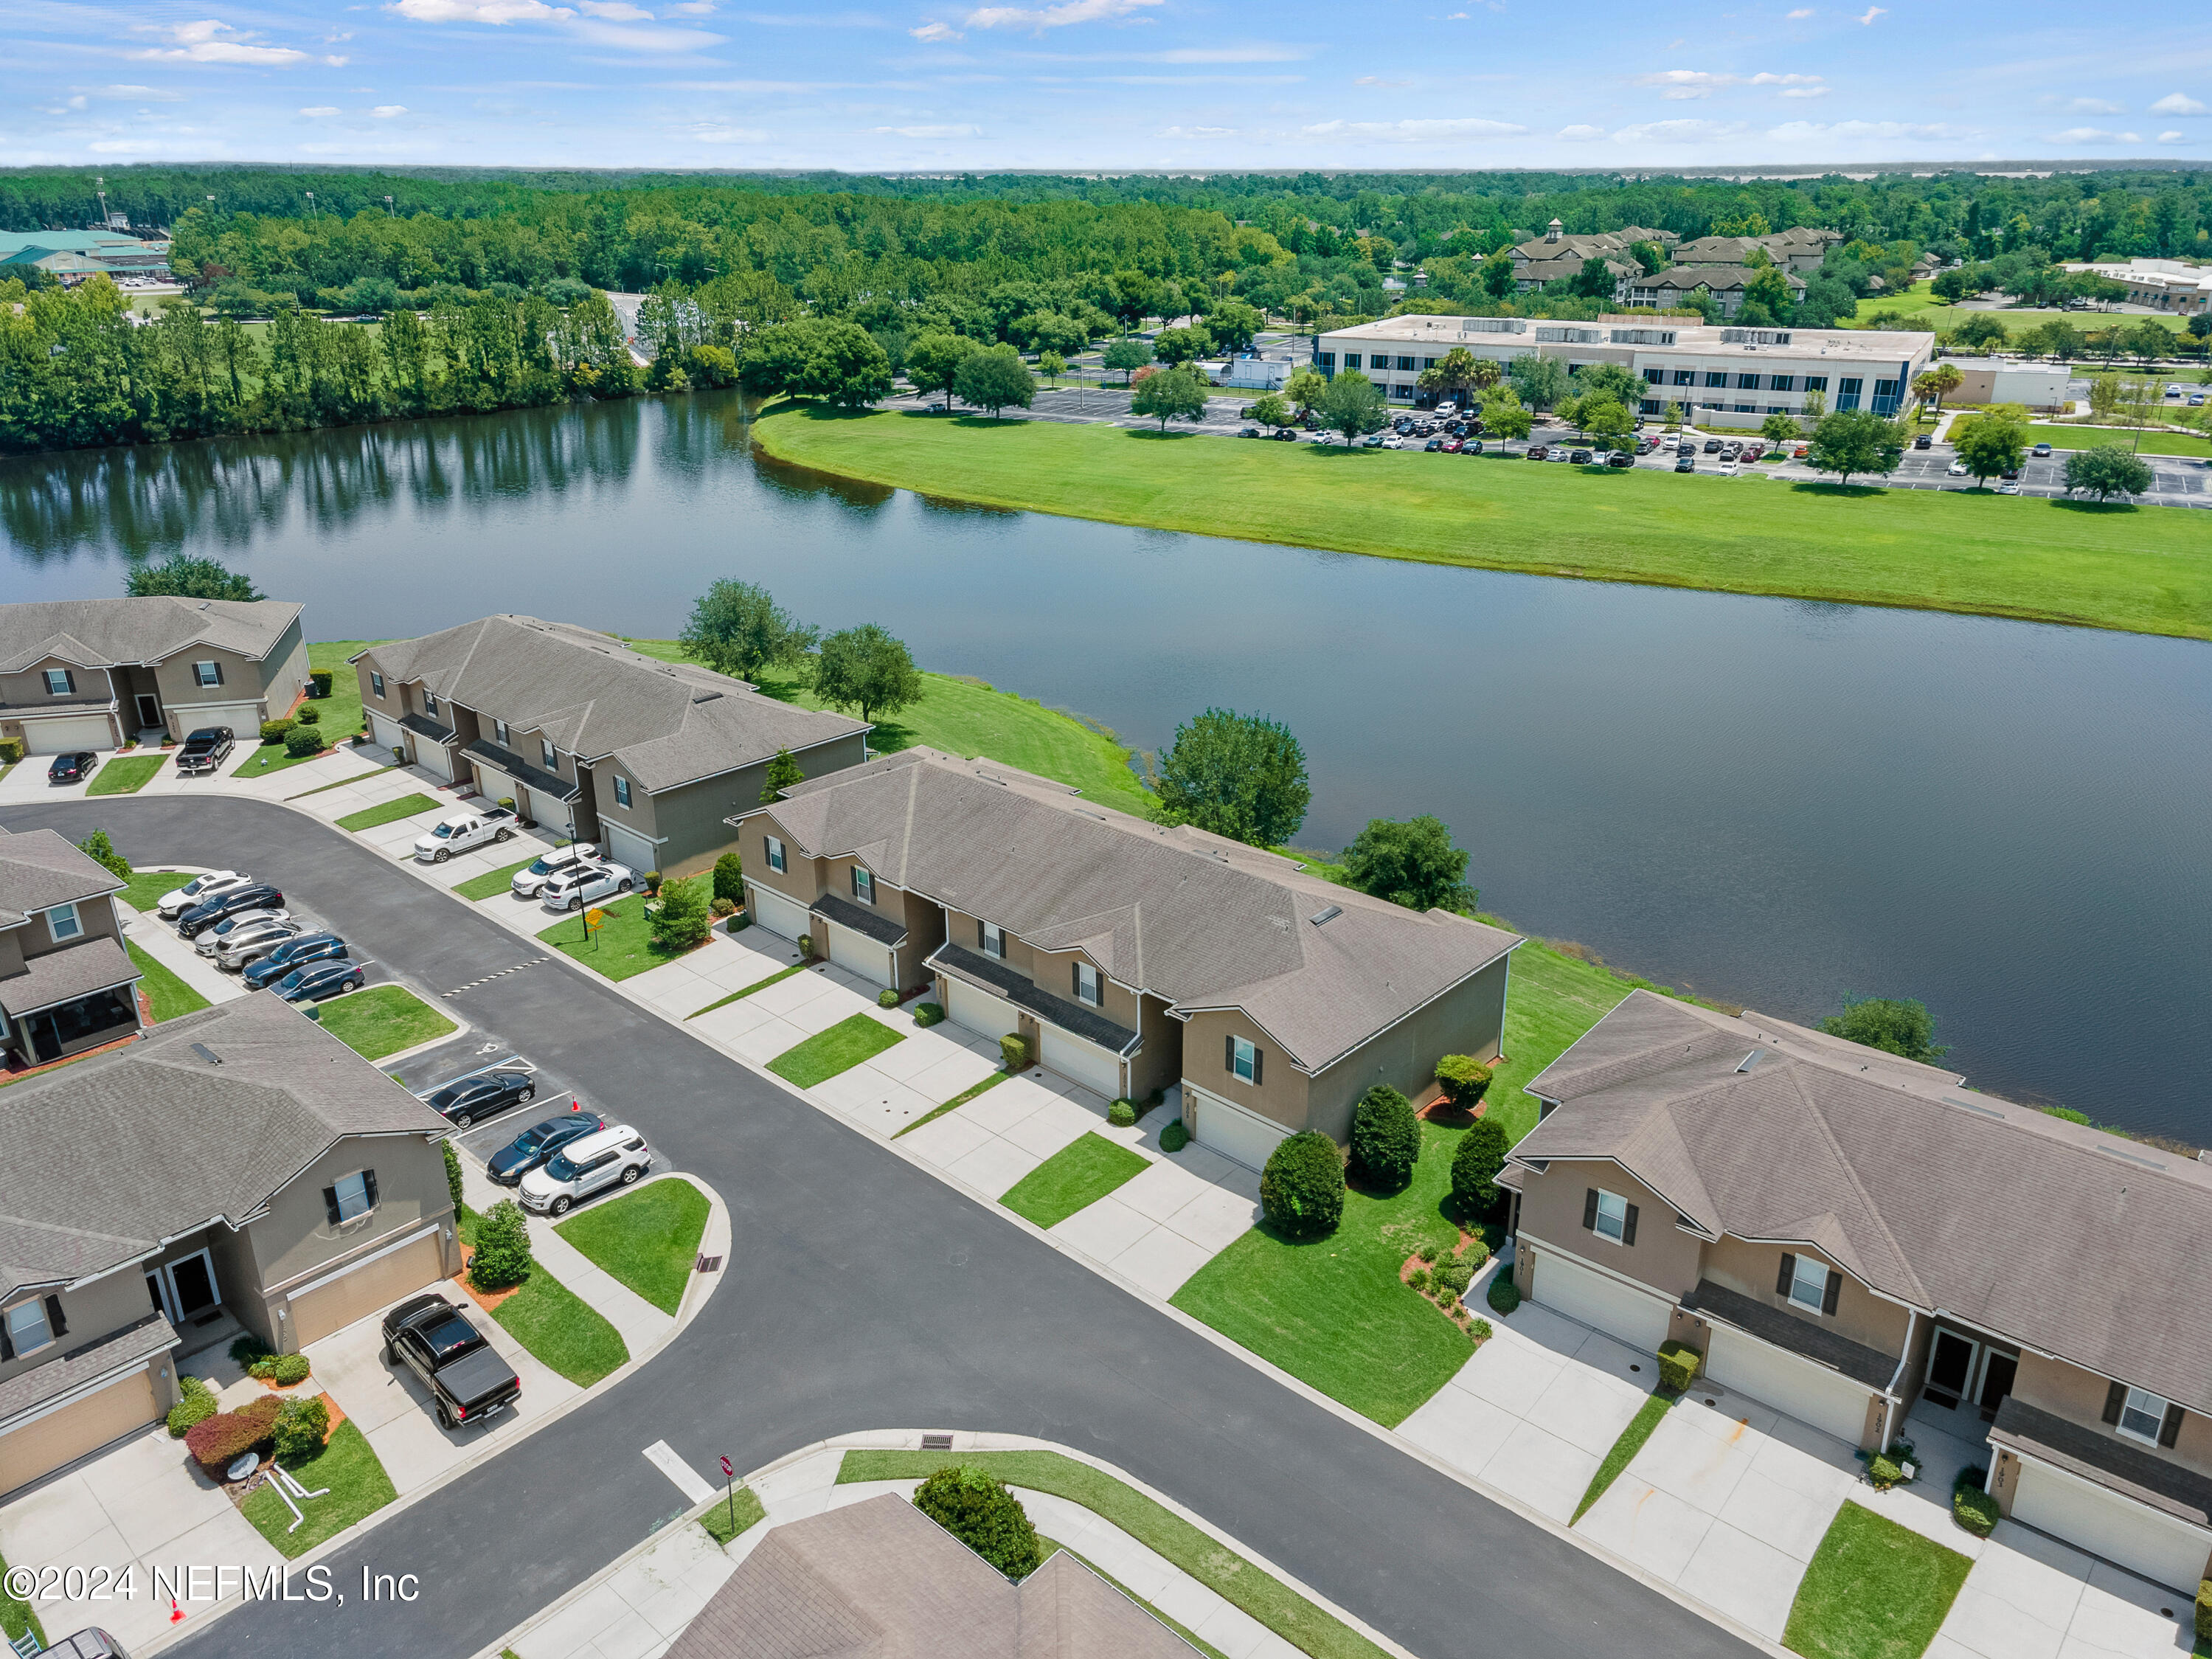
(1771, 801)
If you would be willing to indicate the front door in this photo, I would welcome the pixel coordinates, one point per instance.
(185, 1288)
(1997, 1375)
(149, 711)
(1949, 1366)
(46, 1037)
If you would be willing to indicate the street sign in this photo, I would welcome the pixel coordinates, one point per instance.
(728, 1473)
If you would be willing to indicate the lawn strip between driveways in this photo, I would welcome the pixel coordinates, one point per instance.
(1049, 1548)
(1076, 1176)
(1631, 1440)
(358, 1487)
(341, 783)
(493, 883)
(956, 1102)
(390, 811)
(125, 776)
(647, 1239)
(775, 978)
(562, 1332)
(147, 888)
(733, 1514)
(1160, 1530)
(621, 945)
(840, 1049)
(168, 995)
(382, 1020)
(1875, 1590)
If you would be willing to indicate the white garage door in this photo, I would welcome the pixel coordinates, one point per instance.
(628, 847)
(1811, 1393)
(1082, 1062)
(779, 914)
(552, 813)
(979, 1010)
(1637, 1317)
(1233, 1132)
(432, 757)
(386, 731)
(856, 953)
(66, 737)
(2162, 1550)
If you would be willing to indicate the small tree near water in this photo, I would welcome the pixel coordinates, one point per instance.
(984, 1515)
(1896, 1025)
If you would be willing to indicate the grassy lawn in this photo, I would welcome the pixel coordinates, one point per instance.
(733, 1514)
(1921, 304)
(1876, 1590)
(618, 947)
(358, 1488)
(126, 774)
(15, 1614)
(646, 1239)
(341, 716)
(382, 1020)
(169, 995)
(370, 818)
(2060, 436)
(493, 883)
(1077, 1175)
(2148, 569)
(775, 978)
(147, 888)
(1048, 1547)
(1281, 1609)
(840, 1049)
(556, 1325)
(956, 1102)
(270, 758)
(1624, 1451)
(368, 771)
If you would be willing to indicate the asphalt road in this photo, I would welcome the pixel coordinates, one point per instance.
(861, 1293)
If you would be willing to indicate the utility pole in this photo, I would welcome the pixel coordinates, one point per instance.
(99, 189)
(390, 212)
(311, 205)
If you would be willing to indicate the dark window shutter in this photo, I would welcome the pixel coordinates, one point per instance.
(1835, 1289)
(2115, 1398)
(1257, 1056)
(68, 680)
(1229, 1053)
(982, 940)
(1789, 1272)
(1075, 972)
(369, 1186)
(331, 1204)
(2168, 1432)
(1628, 1227)
(7, 1348)
(218, 673)
(60, 1324)
(1589, 1211)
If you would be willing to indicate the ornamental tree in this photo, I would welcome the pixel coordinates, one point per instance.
(1386, 1137)
(1352, 405)
(984, 1515)
(1302, 1188)
(2107, 470)
(994, 377)
(1173, 393)
(867, 669)
(1414, 864)
(1855, 440)
(1990, 445)
(1239, 776)
(1480, 1155)
(738, 629)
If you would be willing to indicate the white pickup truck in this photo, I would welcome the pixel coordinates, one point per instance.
(458, 832)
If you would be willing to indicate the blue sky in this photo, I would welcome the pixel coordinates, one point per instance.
(1101, 84)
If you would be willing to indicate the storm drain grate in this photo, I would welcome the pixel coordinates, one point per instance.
(937, 1442)
(709, 1264)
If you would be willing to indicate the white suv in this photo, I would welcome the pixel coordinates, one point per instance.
(585, 884)
(530, 880)
(198, 890)
(590, 1163)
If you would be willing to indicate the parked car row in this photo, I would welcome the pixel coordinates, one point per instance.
(569, 878)
(242, 925)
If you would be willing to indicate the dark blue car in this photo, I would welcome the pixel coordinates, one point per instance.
(538, 1142)
(292, 953)
(318, 981)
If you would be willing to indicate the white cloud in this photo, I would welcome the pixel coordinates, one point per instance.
(1420, 131)
(1802, 12)
(1702, 83)
(1806, 92)
(2093, 136)
(1872, 12)
(2176, 103)
(480, 11)
(615, 11)
(209, 42)
(320, 110)
(1377, 81)
(385, 111)
(137, 94)
(2169, 137)
(1197, 132)
(1829, 131)
(2093, 106)
(1581, 134)
(935, 31)
(1055, 16)
(1258, 52)
(934, 132)
(713, 134)
(1764, 80)
(692, 8)
(1681, 132)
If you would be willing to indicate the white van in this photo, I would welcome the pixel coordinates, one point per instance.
(592, 1163)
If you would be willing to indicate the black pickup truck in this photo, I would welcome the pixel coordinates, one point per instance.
(467, 1379)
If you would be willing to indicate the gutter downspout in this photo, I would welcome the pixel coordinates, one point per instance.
(1889, 1411)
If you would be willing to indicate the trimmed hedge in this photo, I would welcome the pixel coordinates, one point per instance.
(1302, 1188)
(282, 1368)
(1123, 1114)
(215, 1442)
(2204, 1610)
(928, 1013)
(320, 679)
(502, 1253)
(1976, 1512)
(1475, 1165)
(302, 1428)
(303, 740)
(1014, 1051)
(275, 730)
(1463, 1078)
(1678, 1365)
(197, 1406)
(1504, 1294)
(1174, 1135)
(887, 998)
(1386, 1137)
(307, 714)
(730, 879)
(984, 1515)
(11, 751)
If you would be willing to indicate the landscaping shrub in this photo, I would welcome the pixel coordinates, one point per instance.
(2203, 1607)
(302, 1427)
(1014, 1051)
(452, 1174)
(1454, 1277)
(1504, 1294)
(196, 1406)
(1302, 1188)
(308, 715)
(887, 998)
(291, 1368)
(1678, 1367)
(806, 947)
(1419, 1278)
(1481, 1330)
(1976, 1512)
(983, 1514)
(681, 922)
(223, 1437)
(1175, 1136)
(722, 908)
(928, 1013)
(320, 679)
(101, 851)
(275, 730)
(740, 921)
(247, 1348)
(264, 1368)
(1386, 1137)
(1123, 1114)
(1475, 1255)
(730, 879)
(11, 751)
(1428, 1253)
(1475, 1165)
(1884, 1472)
(502, 1253)
(303, 740)
(1463, 1078)
(653, 880)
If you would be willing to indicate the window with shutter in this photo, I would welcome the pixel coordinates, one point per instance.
(1612, 1217)
(1243, 1060)
(1589, 1211)
(27, 1328)
(207, 673)
(1809, 1284)
(2142, 1416)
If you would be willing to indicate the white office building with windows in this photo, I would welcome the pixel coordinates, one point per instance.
(1721, 376)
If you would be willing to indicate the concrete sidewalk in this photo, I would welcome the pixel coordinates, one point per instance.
(158, 940)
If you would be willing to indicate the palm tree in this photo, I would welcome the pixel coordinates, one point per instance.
(1937, 383)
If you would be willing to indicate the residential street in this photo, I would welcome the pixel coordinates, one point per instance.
(860, 1292)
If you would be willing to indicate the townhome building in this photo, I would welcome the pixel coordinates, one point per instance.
(1672, 286)
(1720, 375)
(1801, 249)
(1555, 245)
(89, 673)
(1866, 1244)
(237, 1168)
(66, 983)
(588, 738)
(1132, 956)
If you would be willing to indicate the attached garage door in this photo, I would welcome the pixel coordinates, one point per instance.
(66, 737)
(552, 812)
(376, 1284)
(628, 847)
(856, 953)
(1811, 1393)
(1231, 1131)
(979, 1010)
(433, 758)
(45, 1444)
(779, 914)
(1082, 1062)
(2162, 1550)
(386, 731)
(1637, 1317)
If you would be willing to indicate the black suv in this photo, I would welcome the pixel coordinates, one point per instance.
(201, 917)
(206, 749)
(295, 952)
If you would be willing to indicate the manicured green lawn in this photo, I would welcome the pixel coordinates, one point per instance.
(2061, 436)
(1921, 304)
(733, 1514)
(147, 888)
(840, 1049)
(2147, 569)
(270, 758)
(126, 774)
(341, 716)
(556, 1324)
(1274, 1604)
(358, 1485)
(1332, 1311)
(647, 1239)
(1077, 1175)
(775, 978)
(370, 818)
(956, 1102)
(382, 1020)
(1875, 1590)
(169, 995)
(16, 1613)
(493, 883)
(370, 770)
(1624, 1451)
(618, 947)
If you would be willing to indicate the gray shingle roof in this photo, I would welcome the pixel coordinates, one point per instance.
(27, 1390)
(104, 633)
(664, 723)
(63, 975)
(2138, 1472)
(1717, 277)
(40, 869)
(1201, 922)
(115, 1152)
(1940, 1197)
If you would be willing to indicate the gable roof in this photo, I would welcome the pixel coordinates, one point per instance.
(1951, 1200)
(110, 1156)
(107, 633)
(1202, 921)
(41, 868)
(664, 723)
(1717, 277)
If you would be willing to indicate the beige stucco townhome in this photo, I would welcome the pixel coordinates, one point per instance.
(1133, 956)
(67, 984)
(1854, 1238)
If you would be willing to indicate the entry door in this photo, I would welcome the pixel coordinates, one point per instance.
(1950, 1367)
(186, 1287)
(149, 711)
(1997, 1373)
